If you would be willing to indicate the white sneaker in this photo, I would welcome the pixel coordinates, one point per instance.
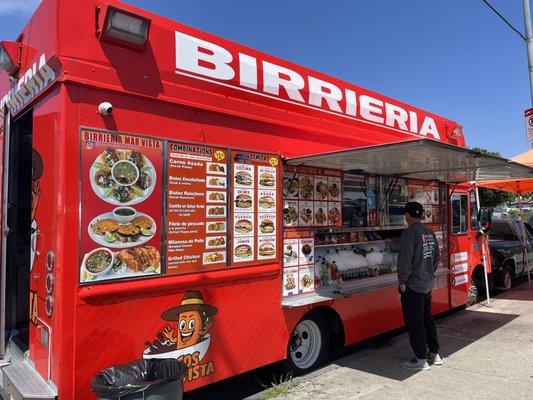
(436, 359)
(416, 364)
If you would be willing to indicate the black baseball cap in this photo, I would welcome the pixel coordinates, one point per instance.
(414, 209)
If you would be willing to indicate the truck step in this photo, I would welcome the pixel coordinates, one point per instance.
(19, 380)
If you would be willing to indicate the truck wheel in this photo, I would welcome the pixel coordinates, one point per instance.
(507, 277)
(309, 344)
(473, 294)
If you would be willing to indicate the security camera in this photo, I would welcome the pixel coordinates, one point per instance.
(105, 108)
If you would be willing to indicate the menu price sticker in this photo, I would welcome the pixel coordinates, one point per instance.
(290, 281)
(196, 208)
(120, 206)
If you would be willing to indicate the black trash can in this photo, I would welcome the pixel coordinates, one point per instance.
(153, 379)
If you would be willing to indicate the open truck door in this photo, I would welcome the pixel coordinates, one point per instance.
(464, 250)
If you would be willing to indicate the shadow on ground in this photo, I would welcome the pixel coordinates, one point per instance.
(378, 356)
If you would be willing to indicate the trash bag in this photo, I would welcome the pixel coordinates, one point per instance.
(137, 377)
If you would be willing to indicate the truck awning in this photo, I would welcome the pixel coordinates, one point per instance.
(419, 159)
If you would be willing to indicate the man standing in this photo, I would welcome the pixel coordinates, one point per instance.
(417, 262)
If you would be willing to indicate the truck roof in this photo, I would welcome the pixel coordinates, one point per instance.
(184, 65)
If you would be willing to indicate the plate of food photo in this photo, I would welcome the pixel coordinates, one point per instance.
(113, 230)
(122, 177)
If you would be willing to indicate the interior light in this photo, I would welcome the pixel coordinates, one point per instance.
(128, 28)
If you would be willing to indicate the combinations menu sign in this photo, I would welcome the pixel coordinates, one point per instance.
(120, 206)
(254, 199)
(197, 209)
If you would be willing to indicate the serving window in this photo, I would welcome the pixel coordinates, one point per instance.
(152, 207)
(359, 251)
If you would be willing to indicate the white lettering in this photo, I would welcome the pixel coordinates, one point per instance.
(351, 102)
(319, 89)
(413, 122)
(370, 106)
(429, 128)
(247, 71)
(204, 58)
(394, 115)
(275, 76)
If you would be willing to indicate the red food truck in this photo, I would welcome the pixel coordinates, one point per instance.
(167, 193)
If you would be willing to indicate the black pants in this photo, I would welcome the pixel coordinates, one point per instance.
(420, 324)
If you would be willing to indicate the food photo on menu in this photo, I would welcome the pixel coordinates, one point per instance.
(105, 264)
(122, 177)
(267, 177)
(267, 247)
(321, 188)
(123, 227)
(305, 184)
(290, 213)
(244, 178)
(267, 200)
(290, 185)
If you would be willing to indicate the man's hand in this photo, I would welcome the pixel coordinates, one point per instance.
(402, 287)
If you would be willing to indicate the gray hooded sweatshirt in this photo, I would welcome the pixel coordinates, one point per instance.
(418, 258)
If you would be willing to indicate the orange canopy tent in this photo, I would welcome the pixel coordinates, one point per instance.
(519, 186)
(525, 158)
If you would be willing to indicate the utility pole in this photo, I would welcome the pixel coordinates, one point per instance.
(529, 45)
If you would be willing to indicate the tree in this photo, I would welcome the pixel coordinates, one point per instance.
(491, 197)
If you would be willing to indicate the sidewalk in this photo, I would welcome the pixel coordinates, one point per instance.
(490, 354)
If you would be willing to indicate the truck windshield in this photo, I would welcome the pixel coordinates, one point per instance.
(501, 231)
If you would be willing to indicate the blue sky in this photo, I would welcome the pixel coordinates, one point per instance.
(454, 58)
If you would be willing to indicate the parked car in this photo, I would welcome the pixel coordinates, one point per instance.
(507, 250)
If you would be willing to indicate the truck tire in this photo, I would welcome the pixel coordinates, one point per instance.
(507, 277)
(309, 344)
(473, 293)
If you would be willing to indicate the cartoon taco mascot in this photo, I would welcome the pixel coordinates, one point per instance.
(36, 173)
(194, 319)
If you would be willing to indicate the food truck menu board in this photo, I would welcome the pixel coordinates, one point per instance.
(312, 197)
(298, 262)
(197, 210)
(427, 194)
(121, 200)
(254, 223)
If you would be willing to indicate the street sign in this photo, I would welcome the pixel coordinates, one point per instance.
(528, 114)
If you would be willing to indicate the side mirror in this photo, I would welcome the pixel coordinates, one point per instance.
(485, 219)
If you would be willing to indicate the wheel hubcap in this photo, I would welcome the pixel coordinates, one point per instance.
(306, 342)
(507, 280)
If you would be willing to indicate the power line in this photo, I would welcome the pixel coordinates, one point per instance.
(504, 20)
